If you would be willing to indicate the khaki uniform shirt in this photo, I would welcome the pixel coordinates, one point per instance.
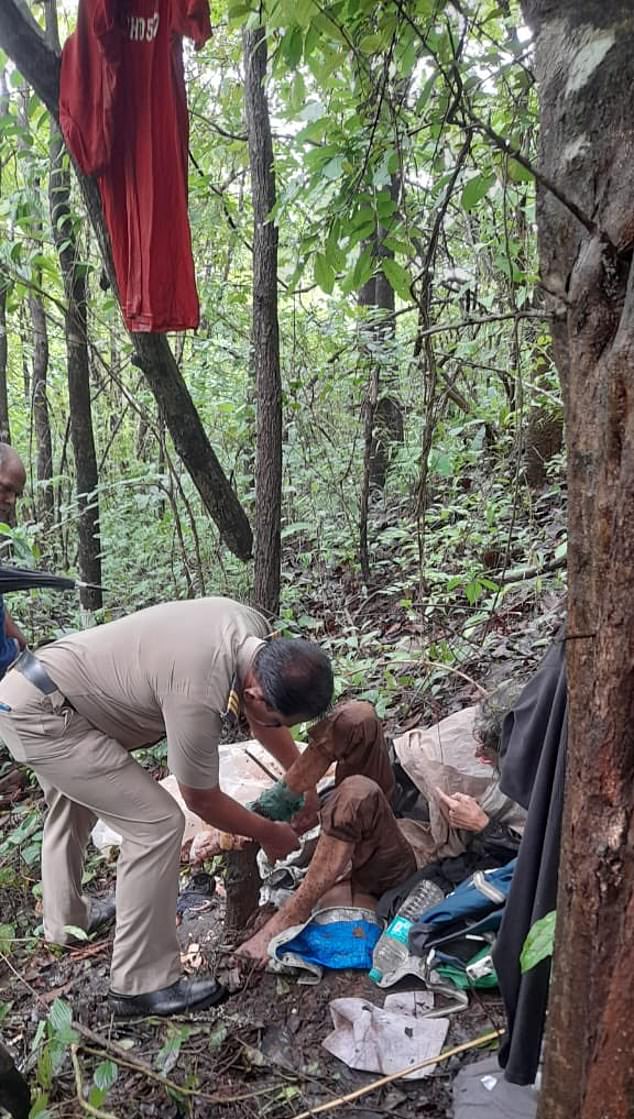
(163, 672)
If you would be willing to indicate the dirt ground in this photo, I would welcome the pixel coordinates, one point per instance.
(259, 1054)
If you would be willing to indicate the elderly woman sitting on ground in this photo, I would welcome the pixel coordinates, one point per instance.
(363, 848)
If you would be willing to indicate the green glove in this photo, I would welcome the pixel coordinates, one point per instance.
(278, 803)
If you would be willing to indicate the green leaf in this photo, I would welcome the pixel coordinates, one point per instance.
(74, 930)
(540, 942)
(7, 936)
(167, 1057)
(475, 190)
(60, 1016)
(385, 205)
(303, 10)
(362, 270)
(293, 529)
(371, 43)
(333, 168)
(217, 1037)
(105, 1075)
(323, 273)
(238, 11)
(361, 233)
(312, 110)
(334, 255)
(292, 46)
(398, 278)
(517, 173)
(39, 1107)
(441, 463)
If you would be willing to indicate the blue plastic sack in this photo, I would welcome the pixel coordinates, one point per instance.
(339, 945)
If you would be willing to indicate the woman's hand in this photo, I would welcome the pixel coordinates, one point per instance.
(462, 811)
(308, 815)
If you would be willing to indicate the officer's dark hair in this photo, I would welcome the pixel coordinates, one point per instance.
(295, 677)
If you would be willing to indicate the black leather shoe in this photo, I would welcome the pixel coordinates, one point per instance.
(102, 914)
(184, 995)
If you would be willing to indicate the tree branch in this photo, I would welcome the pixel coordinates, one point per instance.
(40, 66)
(442, 328)
(499, 141)
(25, 44)
(539, 176)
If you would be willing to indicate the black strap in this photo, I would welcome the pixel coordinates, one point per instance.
(34, 671)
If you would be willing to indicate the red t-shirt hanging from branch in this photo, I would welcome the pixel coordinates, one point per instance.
(123, 113)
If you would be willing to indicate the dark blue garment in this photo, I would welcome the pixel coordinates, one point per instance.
(533, 767)
(469, 903)
(9, 648)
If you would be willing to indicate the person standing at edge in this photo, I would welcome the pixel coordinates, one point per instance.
(74, 713)
(12, 482)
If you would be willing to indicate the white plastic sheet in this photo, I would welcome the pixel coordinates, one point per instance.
(387, 1040)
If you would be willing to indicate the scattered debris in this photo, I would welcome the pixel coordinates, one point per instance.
(387, 1040)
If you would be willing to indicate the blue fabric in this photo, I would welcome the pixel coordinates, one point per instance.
(343, 944)
(467, 907)
(467, 901)
(8, 645)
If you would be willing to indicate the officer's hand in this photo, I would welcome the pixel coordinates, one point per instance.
(280, 841)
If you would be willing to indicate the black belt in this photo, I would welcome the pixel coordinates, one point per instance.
(34, 671)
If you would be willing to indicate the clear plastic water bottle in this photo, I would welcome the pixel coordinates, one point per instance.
(392, 948)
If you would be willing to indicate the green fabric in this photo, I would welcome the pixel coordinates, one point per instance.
(278, 803)
(458, 975)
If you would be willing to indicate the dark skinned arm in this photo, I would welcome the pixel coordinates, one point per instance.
(13, 630)
(279, 743)
(223, 812)
(329, 862)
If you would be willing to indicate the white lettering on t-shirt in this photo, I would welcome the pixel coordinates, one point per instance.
(142, 29)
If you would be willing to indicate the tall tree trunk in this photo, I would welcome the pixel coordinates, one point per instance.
(265, 331)
(20, 38)
(45, 497)
(383, 416)
(5, 427)
(585, 67)
(78, 366)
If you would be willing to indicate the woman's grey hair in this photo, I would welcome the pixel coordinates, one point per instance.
(490, 717)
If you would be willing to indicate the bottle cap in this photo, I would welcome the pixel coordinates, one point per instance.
(375, 975)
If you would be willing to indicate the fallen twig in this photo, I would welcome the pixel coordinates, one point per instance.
(457, 672)
(79, 1088)
(332, 1104)
(520, 574)
(101, 1045)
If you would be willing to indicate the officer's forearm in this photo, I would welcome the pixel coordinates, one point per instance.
(223, 812)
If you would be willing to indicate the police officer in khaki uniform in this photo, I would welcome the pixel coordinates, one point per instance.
(75, 712)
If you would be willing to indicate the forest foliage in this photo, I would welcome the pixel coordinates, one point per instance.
(421, 410)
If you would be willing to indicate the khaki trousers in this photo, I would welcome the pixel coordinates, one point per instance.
(85, 775)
